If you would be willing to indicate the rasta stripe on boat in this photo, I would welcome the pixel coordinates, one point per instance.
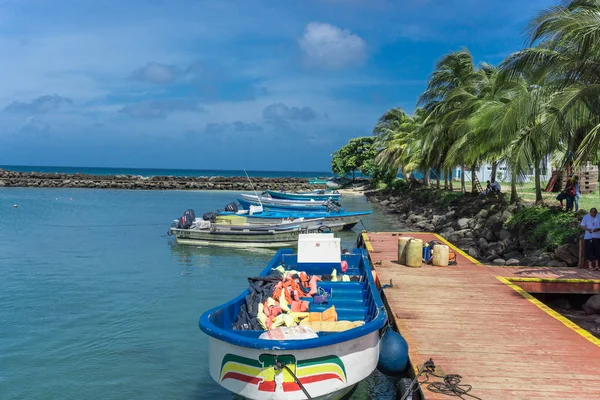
(262, 373)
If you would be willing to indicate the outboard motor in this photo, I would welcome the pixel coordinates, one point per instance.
(232, 207)
(210, 216)
(332, 206)
(187, 219)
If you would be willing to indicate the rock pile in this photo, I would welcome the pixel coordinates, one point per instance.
(56, 180)
(476, 225)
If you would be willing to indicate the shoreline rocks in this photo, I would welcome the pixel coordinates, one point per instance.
(130, 182)
(474, 224)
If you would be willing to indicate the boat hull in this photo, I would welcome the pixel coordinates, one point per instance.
(335, 223)
(328, 372)
(284, 202)
(303, 196)
(266, 239)
(290, 206)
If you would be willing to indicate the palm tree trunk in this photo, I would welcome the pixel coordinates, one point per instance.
(494, 169)
(538, 183)
(514, 196)
(450, 180)
(437, 178)
(426, 177)
(462, 178)
(445, 180)
(473, 177)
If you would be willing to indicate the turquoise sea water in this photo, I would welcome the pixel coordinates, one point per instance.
(96, 302)
(163, 171)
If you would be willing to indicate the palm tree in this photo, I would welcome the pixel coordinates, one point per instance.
(451, 89)
(398, 141)
(565, 48)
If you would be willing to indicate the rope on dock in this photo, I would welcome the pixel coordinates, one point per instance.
(450, 385)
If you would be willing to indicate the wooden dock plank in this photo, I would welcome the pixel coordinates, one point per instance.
(481, 327)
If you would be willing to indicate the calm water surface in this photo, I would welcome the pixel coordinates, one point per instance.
(96, 302)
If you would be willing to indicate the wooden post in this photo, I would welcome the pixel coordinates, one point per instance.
(581, 253)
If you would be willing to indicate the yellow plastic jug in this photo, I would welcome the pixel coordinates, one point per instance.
(414, 253)
(402, 242)
(441, 254)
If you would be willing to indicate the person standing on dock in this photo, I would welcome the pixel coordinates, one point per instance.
(591, 225)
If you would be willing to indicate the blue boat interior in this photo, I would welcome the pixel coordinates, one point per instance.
(353, 301)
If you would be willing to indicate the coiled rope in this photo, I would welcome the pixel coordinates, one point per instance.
(450, 385)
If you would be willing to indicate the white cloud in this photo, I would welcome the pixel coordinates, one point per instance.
(156, 73)
(328, 46)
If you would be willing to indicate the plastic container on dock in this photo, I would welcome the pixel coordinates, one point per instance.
(414, 253)
(426, 253)
(402, 242)
(441, 254)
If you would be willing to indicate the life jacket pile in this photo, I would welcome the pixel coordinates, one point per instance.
(285, 307)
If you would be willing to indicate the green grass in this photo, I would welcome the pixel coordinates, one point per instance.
(527, 193)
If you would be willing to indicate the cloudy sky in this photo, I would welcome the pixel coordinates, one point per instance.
(259, 84)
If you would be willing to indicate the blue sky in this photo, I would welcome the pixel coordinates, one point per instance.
(275, 85)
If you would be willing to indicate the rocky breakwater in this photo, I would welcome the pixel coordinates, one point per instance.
(56, 180)
(479, 225)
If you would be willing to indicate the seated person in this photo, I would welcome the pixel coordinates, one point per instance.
(495, 186)
(487, 189)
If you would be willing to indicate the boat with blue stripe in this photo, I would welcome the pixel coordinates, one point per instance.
(336, 221)
(283, 205)
(314, 195)
(321, 353)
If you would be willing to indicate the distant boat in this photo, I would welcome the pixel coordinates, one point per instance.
(337, 183)
(330, 359)
(334, 220)
(314, 195)
(318, 181)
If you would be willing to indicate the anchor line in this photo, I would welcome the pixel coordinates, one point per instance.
(281, 365)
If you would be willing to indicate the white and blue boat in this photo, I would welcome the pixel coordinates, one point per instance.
(336, 221)
(313, 195)
(316, 363)
(270, 204)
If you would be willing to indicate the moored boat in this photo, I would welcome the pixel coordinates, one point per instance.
(315, 195)
(334, 220)
(286, 205)
(287, 202)
(235, 233)
(321, 353)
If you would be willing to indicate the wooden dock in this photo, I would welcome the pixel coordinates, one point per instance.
(477, 322)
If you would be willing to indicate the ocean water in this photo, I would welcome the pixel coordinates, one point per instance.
(97, 302)
(149, 172)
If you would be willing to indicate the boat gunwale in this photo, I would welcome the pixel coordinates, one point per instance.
(301, 196)
(379, 320)
(301, 214)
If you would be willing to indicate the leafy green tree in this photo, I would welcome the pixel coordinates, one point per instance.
(358, 155)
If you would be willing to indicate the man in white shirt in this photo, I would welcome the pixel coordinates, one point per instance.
(591, 225)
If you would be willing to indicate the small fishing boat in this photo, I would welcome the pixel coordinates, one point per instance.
(337, 183)
(285, 202)
(315, 195)
(245, 205)
(318, 181)
(336, 221)
(324, 356)
(272, 235)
